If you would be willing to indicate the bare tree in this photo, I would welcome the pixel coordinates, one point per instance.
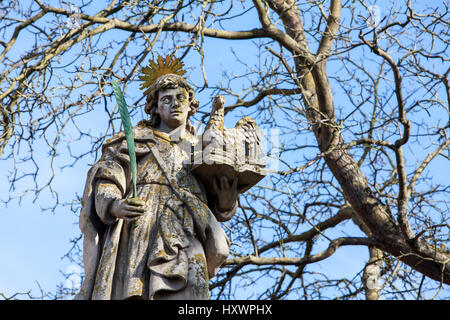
(357, 91)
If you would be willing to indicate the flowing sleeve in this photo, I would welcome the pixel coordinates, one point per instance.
(109, 186)
(105, 194)
(212, 202)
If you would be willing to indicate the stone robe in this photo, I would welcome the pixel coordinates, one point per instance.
(173, 249)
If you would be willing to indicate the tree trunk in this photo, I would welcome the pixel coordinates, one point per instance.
(318, 100)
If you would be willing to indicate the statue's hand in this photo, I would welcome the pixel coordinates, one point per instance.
(128, 209)
(226, 193)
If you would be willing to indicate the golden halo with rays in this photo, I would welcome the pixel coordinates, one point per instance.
(168, 65)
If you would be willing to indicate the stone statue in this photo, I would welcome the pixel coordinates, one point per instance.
(166, 243)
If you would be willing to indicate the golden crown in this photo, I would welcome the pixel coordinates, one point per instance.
(168, 65)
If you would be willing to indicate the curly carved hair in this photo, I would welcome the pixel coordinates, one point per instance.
(169, 81)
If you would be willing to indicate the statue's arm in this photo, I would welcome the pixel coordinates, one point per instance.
(109, 186)
(106, 192)
(226, 202)
(110, 206)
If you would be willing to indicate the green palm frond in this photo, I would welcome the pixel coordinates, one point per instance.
(127, 127)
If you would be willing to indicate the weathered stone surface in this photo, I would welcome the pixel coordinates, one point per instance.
(166, 243)
(234, 153)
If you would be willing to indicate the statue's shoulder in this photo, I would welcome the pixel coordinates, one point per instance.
(142, 134)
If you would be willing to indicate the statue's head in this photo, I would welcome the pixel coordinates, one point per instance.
(169, 81)
(165, 76)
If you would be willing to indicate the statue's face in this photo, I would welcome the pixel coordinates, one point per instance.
(173, 108)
